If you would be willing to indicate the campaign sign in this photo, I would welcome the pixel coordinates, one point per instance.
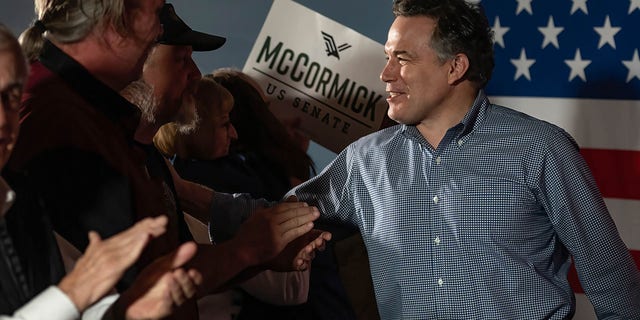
(320, 72)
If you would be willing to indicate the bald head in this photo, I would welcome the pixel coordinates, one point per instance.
(13, 74)
(9, 43)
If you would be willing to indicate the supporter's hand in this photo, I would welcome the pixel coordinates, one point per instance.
(161, 287)
(105, 261)
(298, 254)
(268, 231)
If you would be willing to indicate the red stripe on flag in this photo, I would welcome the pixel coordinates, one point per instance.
(617, 172)
(573, 276)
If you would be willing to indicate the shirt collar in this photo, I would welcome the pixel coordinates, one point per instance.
(471, 120)
(100, 96)
(7, 197)
(475, 116)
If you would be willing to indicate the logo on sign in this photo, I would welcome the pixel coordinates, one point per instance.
(331, 48)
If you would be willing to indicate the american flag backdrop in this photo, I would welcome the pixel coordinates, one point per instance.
(576, 63)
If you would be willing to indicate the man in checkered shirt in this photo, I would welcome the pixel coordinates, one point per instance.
(470, 210)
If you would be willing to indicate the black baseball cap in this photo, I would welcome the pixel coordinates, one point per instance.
(177, 33)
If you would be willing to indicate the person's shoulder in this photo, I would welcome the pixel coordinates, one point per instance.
(510, 118)
(377, 139)
(527, 127)
(376, 144)
(53, 110)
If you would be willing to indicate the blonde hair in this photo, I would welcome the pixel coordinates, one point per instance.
(68, 21)
(211, 100)
(165, 139)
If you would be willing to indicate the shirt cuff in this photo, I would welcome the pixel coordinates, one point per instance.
(51, 301)
(228, 211)
(102, 309)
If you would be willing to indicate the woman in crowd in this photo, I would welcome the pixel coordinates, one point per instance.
(199, 155)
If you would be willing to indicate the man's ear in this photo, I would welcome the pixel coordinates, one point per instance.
(110, 37)
(458, 68)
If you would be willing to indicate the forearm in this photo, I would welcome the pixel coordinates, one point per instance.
(195, 199)
(240, 278)
(222, 211)
(228, 211)
(279, 288)
(222, 266)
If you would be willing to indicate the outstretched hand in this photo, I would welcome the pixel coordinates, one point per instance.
(269, 230)
(299, 253)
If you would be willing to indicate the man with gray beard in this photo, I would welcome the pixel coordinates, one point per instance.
(164, 94)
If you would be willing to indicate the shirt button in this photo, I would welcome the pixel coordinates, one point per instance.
(435, 199)
(460, 142)
(440, 282)
(437, 241)
(438, 160)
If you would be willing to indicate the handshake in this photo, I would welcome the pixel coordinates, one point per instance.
(279, 238)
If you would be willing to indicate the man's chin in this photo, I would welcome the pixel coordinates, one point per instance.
(395, 117)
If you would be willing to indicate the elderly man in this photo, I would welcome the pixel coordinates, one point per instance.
(88, 173)
(152, 295)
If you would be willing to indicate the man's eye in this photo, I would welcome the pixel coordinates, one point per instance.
(11, 98)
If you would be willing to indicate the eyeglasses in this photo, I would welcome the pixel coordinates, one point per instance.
(11, 97)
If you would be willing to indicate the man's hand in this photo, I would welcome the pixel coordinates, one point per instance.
(161, 287)
(105, 261)
(268, 231)
(298, 254)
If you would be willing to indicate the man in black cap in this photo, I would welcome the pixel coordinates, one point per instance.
(170, 77)
(77, 157)
(178, 33)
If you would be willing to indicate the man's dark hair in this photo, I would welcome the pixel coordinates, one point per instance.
(461, 27)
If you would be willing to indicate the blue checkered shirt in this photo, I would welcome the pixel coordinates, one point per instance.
(482, 227)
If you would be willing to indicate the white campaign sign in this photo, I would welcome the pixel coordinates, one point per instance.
(321, 72)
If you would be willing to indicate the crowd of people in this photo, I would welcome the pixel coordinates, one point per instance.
(111, 139)
(96, 172)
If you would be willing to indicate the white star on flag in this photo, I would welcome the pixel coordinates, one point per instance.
(550, 33)
(607, 32)
(522, 65)
(524, 5)
(498, 32)
(577, 66)
(633, 5)
(579, 4)
(633, 65)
